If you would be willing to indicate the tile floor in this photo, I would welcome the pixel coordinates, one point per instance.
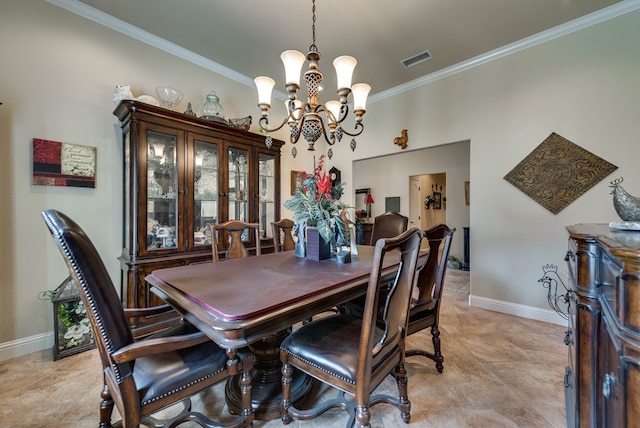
(499, 371)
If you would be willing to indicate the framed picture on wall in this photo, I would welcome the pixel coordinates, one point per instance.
(296, 181)
(437, 200)
(466, 193)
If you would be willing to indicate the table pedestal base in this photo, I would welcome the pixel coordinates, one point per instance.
(266, 389)
(266, 397)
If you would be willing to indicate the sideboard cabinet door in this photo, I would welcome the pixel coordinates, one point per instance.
(603, 376)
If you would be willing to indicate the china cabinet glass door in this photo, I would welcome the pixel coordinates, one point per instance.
(266, 193)
(238, 184)
(206, 176)
(162, 195)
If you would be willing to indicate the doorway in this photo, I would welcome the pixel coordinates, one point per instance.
(427, 200)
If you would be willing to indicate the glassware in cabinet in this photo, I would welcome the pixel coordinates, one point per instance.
(162, 191)
(266, 193)
(238, 190)
(206, 176)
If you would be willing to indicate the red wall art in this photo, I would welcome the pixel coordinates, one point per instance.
(63, 164)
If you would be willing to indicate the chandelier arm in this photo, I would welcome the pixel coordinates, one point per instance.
(355, 134)
(299, 123)
(264, 124)
(344, 112)
(331, 138)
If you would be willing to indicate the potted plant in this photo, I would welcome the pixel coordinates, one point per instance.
(454, 262)
(317, 205)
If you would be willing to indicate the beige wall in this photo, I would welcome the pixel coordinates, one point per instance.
(57, 79)
(584, 86)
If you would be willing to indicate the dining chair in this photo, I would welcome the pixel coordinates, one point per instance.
(238, 235)
(145, 376)
(356, 354)
(427, 300)
(283, 235)
(388, 225)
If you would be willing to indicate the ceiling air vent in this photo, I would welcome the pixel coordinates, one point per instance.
(417, 59)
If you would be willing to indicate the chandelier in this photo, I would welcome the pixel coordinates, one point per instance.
(311, 119)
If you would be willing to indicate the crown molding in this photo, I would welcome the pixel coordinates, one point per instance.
(120, 26)
(537, 39)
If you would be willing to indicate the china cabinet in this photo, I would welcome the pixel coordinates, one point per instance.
(182, 173)
(602, 379)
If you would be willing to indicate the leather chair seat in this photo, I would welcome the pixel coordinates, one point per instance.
(332, 343)
(161, 375)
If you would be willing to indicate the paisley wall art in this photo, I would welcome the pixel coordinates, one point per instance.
(557, 172)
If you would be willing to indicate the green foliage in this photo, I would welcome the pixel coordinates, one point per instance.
(318, 204)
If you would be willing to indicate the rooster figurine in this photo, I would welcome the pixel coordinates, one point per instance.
(402, 140)
(627, 206)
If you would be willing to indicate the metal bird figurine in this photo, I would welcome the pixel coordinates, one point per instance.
(627, 206)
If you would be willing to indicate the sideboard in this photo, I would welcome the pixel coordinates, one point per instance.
(602, 379)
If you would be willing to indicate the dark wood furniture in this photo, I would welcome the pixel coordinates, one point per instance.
(145, 376)
(234, 237)
(283, 235)
(223, 301)
(355, 354)
(602, 380)
(424, 311)
(182, 174)
(363, 233)
(387, 225)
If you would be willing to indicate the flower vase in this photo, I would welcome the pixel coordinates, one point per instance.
(317, 248)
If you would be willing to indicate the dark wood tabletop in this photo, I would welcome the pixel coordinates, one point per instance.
(237, 302)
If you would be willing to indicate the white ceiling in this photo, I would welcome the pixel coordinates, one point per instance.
(247, 36)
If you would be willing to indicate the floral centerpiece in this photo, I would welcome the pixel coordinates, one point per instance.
(317, 203)
(360, 216)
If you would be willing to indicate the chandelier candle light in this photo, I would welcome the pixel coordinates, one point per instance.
(310, 119)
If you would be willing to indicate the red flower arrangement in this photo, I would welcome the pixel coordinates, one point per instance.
(317, 204)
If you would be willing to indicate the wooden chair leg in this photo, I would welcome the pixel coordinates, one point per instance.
(287, 373)
(363, 417)
(106, 408)
(404, 404)
(437, 354)
(247, 410)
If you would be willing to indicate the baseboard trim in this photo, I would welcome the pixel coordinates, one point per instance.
(39, 342)
(26, 345)
(523, 311)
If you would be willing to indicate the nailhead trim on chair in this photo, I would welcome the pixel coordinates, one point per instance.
(352, 382)
(144, 403)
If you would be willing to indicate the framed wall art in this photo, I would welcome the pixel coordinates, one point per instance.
(466, 193)
(437, 200)
(296, 181)
(63, 164)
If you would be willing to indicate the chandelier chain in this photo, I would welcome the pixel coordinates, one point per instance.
(313, 46)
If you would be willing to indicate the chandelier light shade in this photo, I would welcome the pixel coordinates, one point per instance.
(311, 119)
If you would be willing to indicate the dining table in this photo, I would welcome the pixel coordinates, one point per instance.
(254, 302)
